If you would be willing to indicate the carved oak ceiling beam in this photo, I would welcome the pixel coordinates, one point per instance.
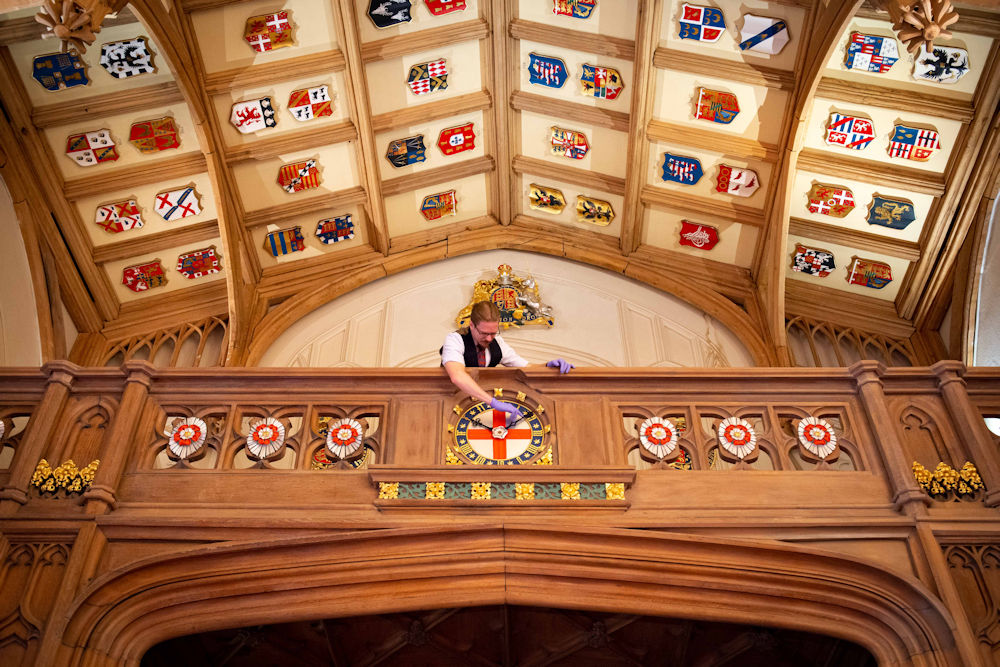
(151, 243)
(108, 104)
(181, 166)
(446, 35)
(878, 173)
(499, 57)
(578, 40)
(876, 243)
(548, 106)
(845, 308)
(27, 28)
(417, 241)
(430, 177)
(865, 94)
(696, 137)
(522, 164)
(166, 311)
(736, 70)
(303, 205)
(725, 209)
(292, 142)
(256, 75)
(431, 111)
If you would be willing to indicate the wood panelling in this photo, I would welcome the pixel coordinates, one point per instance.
(886, 175)
(695, 137)
(150, 243)
(614, 120)
(269, 72)
(168, 169)
(425, 113)
(296, 207)
(579, 40)
(586, 177)
(292, 142)
(735, 70)
(872, 243)
(394, 47)
(125, 101)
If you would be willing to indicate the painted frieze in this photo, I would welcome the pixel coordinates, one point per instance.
(549, 200)
(198, 263)
(891, 212)
(681, 169)
(569, 143)
(127, 58)
(253, 115)
(57, 71)
(457, 139)
(269, 31)
(308, 103)
(814, 262)
(90, 148)
(601, 82)
(118, 216)
(717, 106)
(154, 135)
(832, 200)
(334, 230)
(428, 77)
(441, 7)
(871, 53)
(942, 64)
(177, 204)
(913, 143)
(578, 9)
(595, 211)
(546, 71)
(143, 277)
(284, 241)
(403, 152)
(703, 24)
(763, 34)
(387, 13)
(869, 273)
(299, 176)
(697, 235)
(736, 181)
(849, 131)
(437, 206)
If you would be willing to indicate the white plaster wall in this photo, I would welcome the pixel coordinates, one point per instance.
(602, 319)
(987, 346)
(20, 341)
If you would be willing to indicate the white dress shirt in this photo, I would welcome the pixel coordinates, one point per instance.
(454, 350)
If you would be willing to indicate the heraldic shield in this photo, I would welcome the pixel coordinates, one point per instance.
(517, 298)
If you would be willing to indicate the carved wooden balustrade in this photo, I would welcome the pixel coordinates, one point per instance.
(123, 432)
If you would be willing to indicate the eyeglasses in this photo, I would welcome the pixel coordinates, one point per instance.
(487, 334)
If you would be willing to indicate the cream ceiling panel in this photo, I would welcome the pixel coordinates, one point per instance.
(728, 46)
(883, 121)
(842, 258)
(863, 196)
(23, 53)
(168, 259)
(710, 163)
(257, 180)
(572, 90)
(614, 19)
(607, 153)
(279, 94)
(737, 243)
(145, 198)
(431, 132)
(403, 215)
(568, 214)
(308, 224)
(120, 126)
(760, 107)
(422, 20)
(219, 32)
(900, 75)
(387, 87)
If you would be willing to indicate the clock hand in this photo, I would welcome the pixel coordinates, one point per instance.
(475, 420)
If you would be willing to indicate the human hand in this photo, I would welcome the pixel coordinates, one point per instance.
(513, 412)
(561, 364)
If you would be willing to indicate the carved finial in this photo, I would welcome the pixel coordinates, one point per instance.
(75, 22)
(921, 21)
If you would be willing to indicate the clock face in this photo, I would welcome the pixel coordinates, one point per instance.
(482, 436)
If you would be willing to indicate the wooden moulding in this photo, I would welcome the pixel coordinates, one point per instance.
(847, 310)
(415, 240)
(311, 270)
(703, 138)
(425, 113)
(870, 242)
(563, 172)
(971, 21)
(523, 473)
(891, 98)
(295, 207)
(578, 40)
(174, 168)
(193, 233)
(430, 177)
(27, 28)
(291, 142)
(755, 75)
(886, 175)
(704, 206)
(256, 75)
(394, 47)
(157, 312)
(548, 106)
(107, 105)
(728, 279)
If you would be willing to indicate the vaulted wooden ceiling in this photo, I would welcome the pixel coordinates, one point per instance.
(204, 65)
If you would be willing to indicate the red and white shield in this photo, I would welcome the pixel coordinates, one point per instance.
(308, 103)
(457, 139)
(118, 216)
(90, 148)
(737, 181)
(141, 277)
(703, 237)
(498, 443)
(152, 136)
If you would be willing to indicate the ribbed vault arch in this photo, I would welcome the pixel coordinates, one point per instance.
(125, 612)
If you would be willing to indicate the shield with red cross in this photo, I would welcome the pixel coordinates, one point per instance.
(268, 32)
(176, 204)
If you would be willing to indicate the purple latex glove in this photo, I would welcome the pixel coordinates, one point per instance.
(561, 364)
(513, 412)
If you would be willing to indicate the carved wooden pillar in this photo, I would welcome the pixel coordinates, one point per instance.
(970, 426)
(907, 497)
(43, 423)
(100, 497)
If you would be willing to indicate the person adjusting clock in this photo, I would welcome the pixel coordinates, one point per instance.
(480, 346)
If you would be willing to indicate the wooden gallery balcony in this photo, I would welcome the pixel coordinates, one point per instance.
(292, 449)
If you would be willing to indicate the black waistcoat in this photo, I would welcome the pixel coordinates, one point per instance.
(472, 352)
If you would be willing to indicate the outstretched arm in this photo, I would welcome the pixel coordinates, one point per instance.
(461, 379)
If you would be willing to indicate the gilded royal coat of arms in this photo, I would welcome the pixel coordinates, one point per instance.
(516, 297)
